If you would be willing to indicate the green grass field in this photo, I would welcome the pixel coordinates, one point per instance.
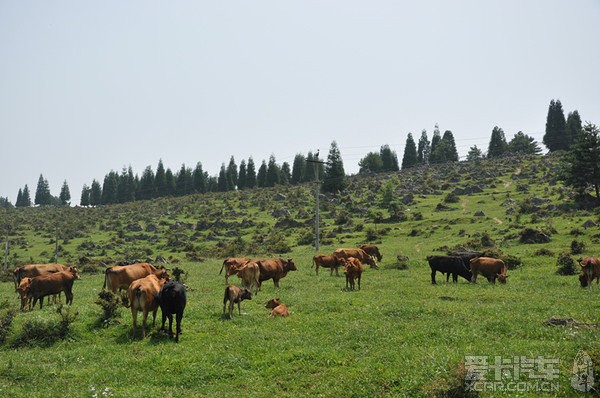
(398, 336)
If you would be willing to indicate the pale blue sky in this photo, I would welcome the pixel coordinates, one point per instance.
(86, 87)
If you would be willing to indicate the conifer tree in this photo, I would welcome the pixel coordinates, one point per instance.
(580, 164)
(232, 174)
(147, 188)
(410, 153)
(169, 183)
(85, 196)
(199, 179)
(160, 182)
(95, 193)
(389, 159)
(474, 154)
(109, 188)
(285, 175)
(26, 198)
(371, 163)
(261, 176)
(573, 127)
(251, 174)
(42, 193)
(65, 194)
(435, 155)
(222, 185)
(211, 184)
(126, 188)
(521, 143)
(555, 137)
(183, 181)
(298, 169)
(242, 175)
(498, 145)
(273, 172)
(18, 202)
(334, 179)
(450, 153)
(424, 149)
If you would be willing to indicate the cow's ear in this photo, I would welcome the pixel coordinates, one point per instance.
(277, 299)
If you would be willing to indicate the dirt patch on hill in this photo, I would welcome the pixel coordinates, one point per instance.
(568, 322)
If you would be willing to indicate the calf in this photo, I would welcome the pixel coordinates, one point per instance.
(172, 300)
(23, 290)
(353, 269)
(590, 270)
(360, 254)
(231, 265)
(326, 261)
(449, 265)
(45, 285)
(234, 294)
(491, 268)
(278, 308)
(142, 297)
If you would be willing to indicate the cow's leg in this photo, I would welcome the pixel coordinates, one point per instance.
(134, 317)
(231, 304)
(474, 277)
(170, 316)
(455, 277)
(178, 317)
(317, 269)
(359, 282)
(276, 282)
(433, 277)
(144, 317)
(336, 271)
(447, 276)
(154, 318)
(69, 297)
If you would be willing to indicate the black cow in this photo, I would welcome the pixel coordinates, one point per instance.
(172, 300)
(448, 265)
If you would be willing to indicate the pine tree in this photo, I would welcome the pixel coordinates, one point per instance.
(160, 182)
(199, 179)
(424, 149)
(334, 178)
(222, 179)
(109, 188)
(169, 183)
(183, 181)
(555, 137)
(19, 201)
(42, 193)
(450, 153)
(147, 188)
(95, 193)
(261, 176)
(498, 145)
(389, 159)
(211, 184)
(521, 143)
(242, 175)
(474, 154)
(85, 196)
(436, 156)
(410, 153)
(251, 174)
(273, 172)
(26, 198)
(232, 174)
(65, 194)
(573, 127)
(298, 169)
(580, 168)
(371, 163)
(126, 188)
(285, 175)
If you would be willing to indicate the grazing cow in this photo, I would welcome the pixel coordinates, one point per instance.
(231, 265)
(234, 294)
(33, 270)
(274, 268)
(326, 261)
(491, 268)
(23, 290)
(590, 270)
(278, 308)
(45, 285)
(356, 253)
(372, 251)
(250, 275)
(449, 265)
(121, 276)
(142, 295)
(353, 269)
(172, 300)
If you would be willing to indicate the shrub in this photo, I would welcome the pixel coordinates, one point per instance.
(109, 303)
(307, 237)
(451, 198)
(40, 332)
(566, 265)
(530, 235)
(179, 275)
(577, 247)
(543, 252)
(372, 234)
(6, 323)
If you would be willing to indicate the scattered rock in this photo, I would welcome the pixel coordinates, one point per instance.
(479, 214)
(589, 224)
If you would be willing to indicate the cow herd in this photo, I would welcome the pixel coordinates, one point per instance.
(148, 288)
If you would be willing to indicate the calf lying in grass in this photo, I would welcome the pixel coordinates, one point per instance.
(278, 308)
(234, 294)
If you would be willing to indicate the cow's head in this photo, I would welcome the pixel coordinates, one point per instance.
(73, 271)
(245, 294)
(290, 265)
(272, 303)
(23, 290)
(583, 279)
(162, 274)
(502, 278)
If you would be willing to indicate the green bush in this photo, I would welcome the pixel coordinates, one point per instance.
(577, 247)
(109, 303)
(566, 265)
(44, 333)
(6, 323)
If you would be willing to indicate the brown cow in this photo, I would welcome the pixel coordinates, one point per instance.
(372, 251)
(234, 294)
(142, 294)
(45, 285)
(121, 276)
(250, 274)
(274, 268)
(326, 261)
(231, 265)
(278, 308)
(491, 268)
(356, 253)
(353, 269)
(23, 291)
(33, 270)
(590, 270)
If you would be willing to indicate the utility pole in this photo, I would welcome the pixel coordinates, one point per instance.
(317, 162)
(6, 248)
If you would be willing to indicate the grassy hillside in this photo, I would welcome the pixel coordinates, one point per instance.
(398, 336)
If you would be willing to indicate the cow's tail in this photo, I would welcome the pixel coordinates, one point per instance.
(106, 271)
(226, 296)
(223, 266)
